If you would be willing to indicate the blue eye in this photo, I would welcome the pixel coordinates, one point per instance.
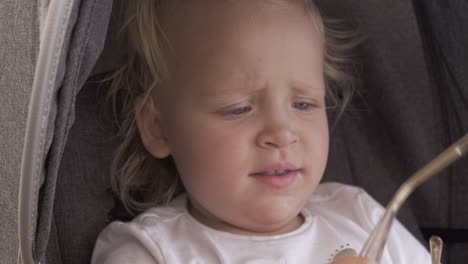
(302, 106)
(241, 110)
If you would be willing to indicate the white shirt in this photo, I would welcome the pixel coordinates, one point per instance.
(337, 216)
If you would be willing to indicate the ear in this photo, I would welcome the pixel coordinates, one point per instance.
(148, 120)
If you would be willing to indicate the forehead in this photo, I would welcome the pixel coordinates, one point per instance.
(238, 40)
(189, 23)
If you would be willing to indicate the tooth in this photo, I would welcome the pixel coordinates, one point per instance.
(276, 172)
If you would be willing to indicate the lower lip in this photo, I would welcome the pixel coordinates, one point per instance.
(279, 181)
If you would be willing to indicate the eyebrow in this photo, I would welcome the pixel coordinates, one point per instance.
(303, 87)
(229, 88)
(226, 93)
(226, 90)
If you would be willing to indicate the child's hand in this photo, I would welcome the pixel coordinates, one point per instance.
(352, 260)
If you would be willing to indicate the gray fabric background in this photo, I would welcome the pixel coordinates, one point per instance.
(83, 44)
(18, 51)
(82, 200)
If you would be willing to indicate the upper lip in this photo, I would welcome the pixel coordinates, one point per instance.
(283, 166)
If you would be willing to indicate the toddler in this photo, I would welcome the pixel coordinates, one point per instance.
(222, 107)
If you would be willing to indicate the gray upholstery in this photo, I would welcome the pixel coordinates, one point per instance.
(84, 35)
(18, 50)
(82, 199)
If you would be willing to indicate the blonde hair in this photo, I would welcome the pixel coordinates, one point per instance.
(138, 179)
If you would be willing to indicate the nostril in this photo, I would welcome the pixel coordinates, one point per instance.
(280, 142)
(270, 144)
(278, 136)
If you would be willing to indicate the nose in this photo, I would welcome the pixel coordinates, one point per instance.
(276, 135)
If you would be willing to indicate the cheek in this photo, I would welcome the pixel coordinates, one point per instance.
(323, 140)
(323, 147)
(214, 167)
(205, 151)
(316, 142)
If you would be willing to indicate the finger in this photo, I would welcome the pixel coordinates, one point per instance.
(352, 260)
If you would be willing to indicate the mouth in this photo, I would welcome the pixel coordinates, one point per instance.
(273, 172)
(279, 177)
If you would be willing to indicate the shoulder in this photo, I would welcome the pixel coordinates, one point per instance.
(346, 197)
(344, 201)
(346, 204)
(125, 243)
(140, 240)
(335, 190)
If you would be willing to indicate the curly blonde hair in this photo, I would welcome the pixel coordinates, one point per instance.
(138, 179)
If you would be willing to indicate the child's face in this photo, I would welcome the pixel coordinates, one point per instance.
(246, 99)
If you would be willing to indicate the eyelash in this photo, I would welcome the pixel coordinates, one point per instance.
(299, 106)
(243, 110)
(240, 110)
